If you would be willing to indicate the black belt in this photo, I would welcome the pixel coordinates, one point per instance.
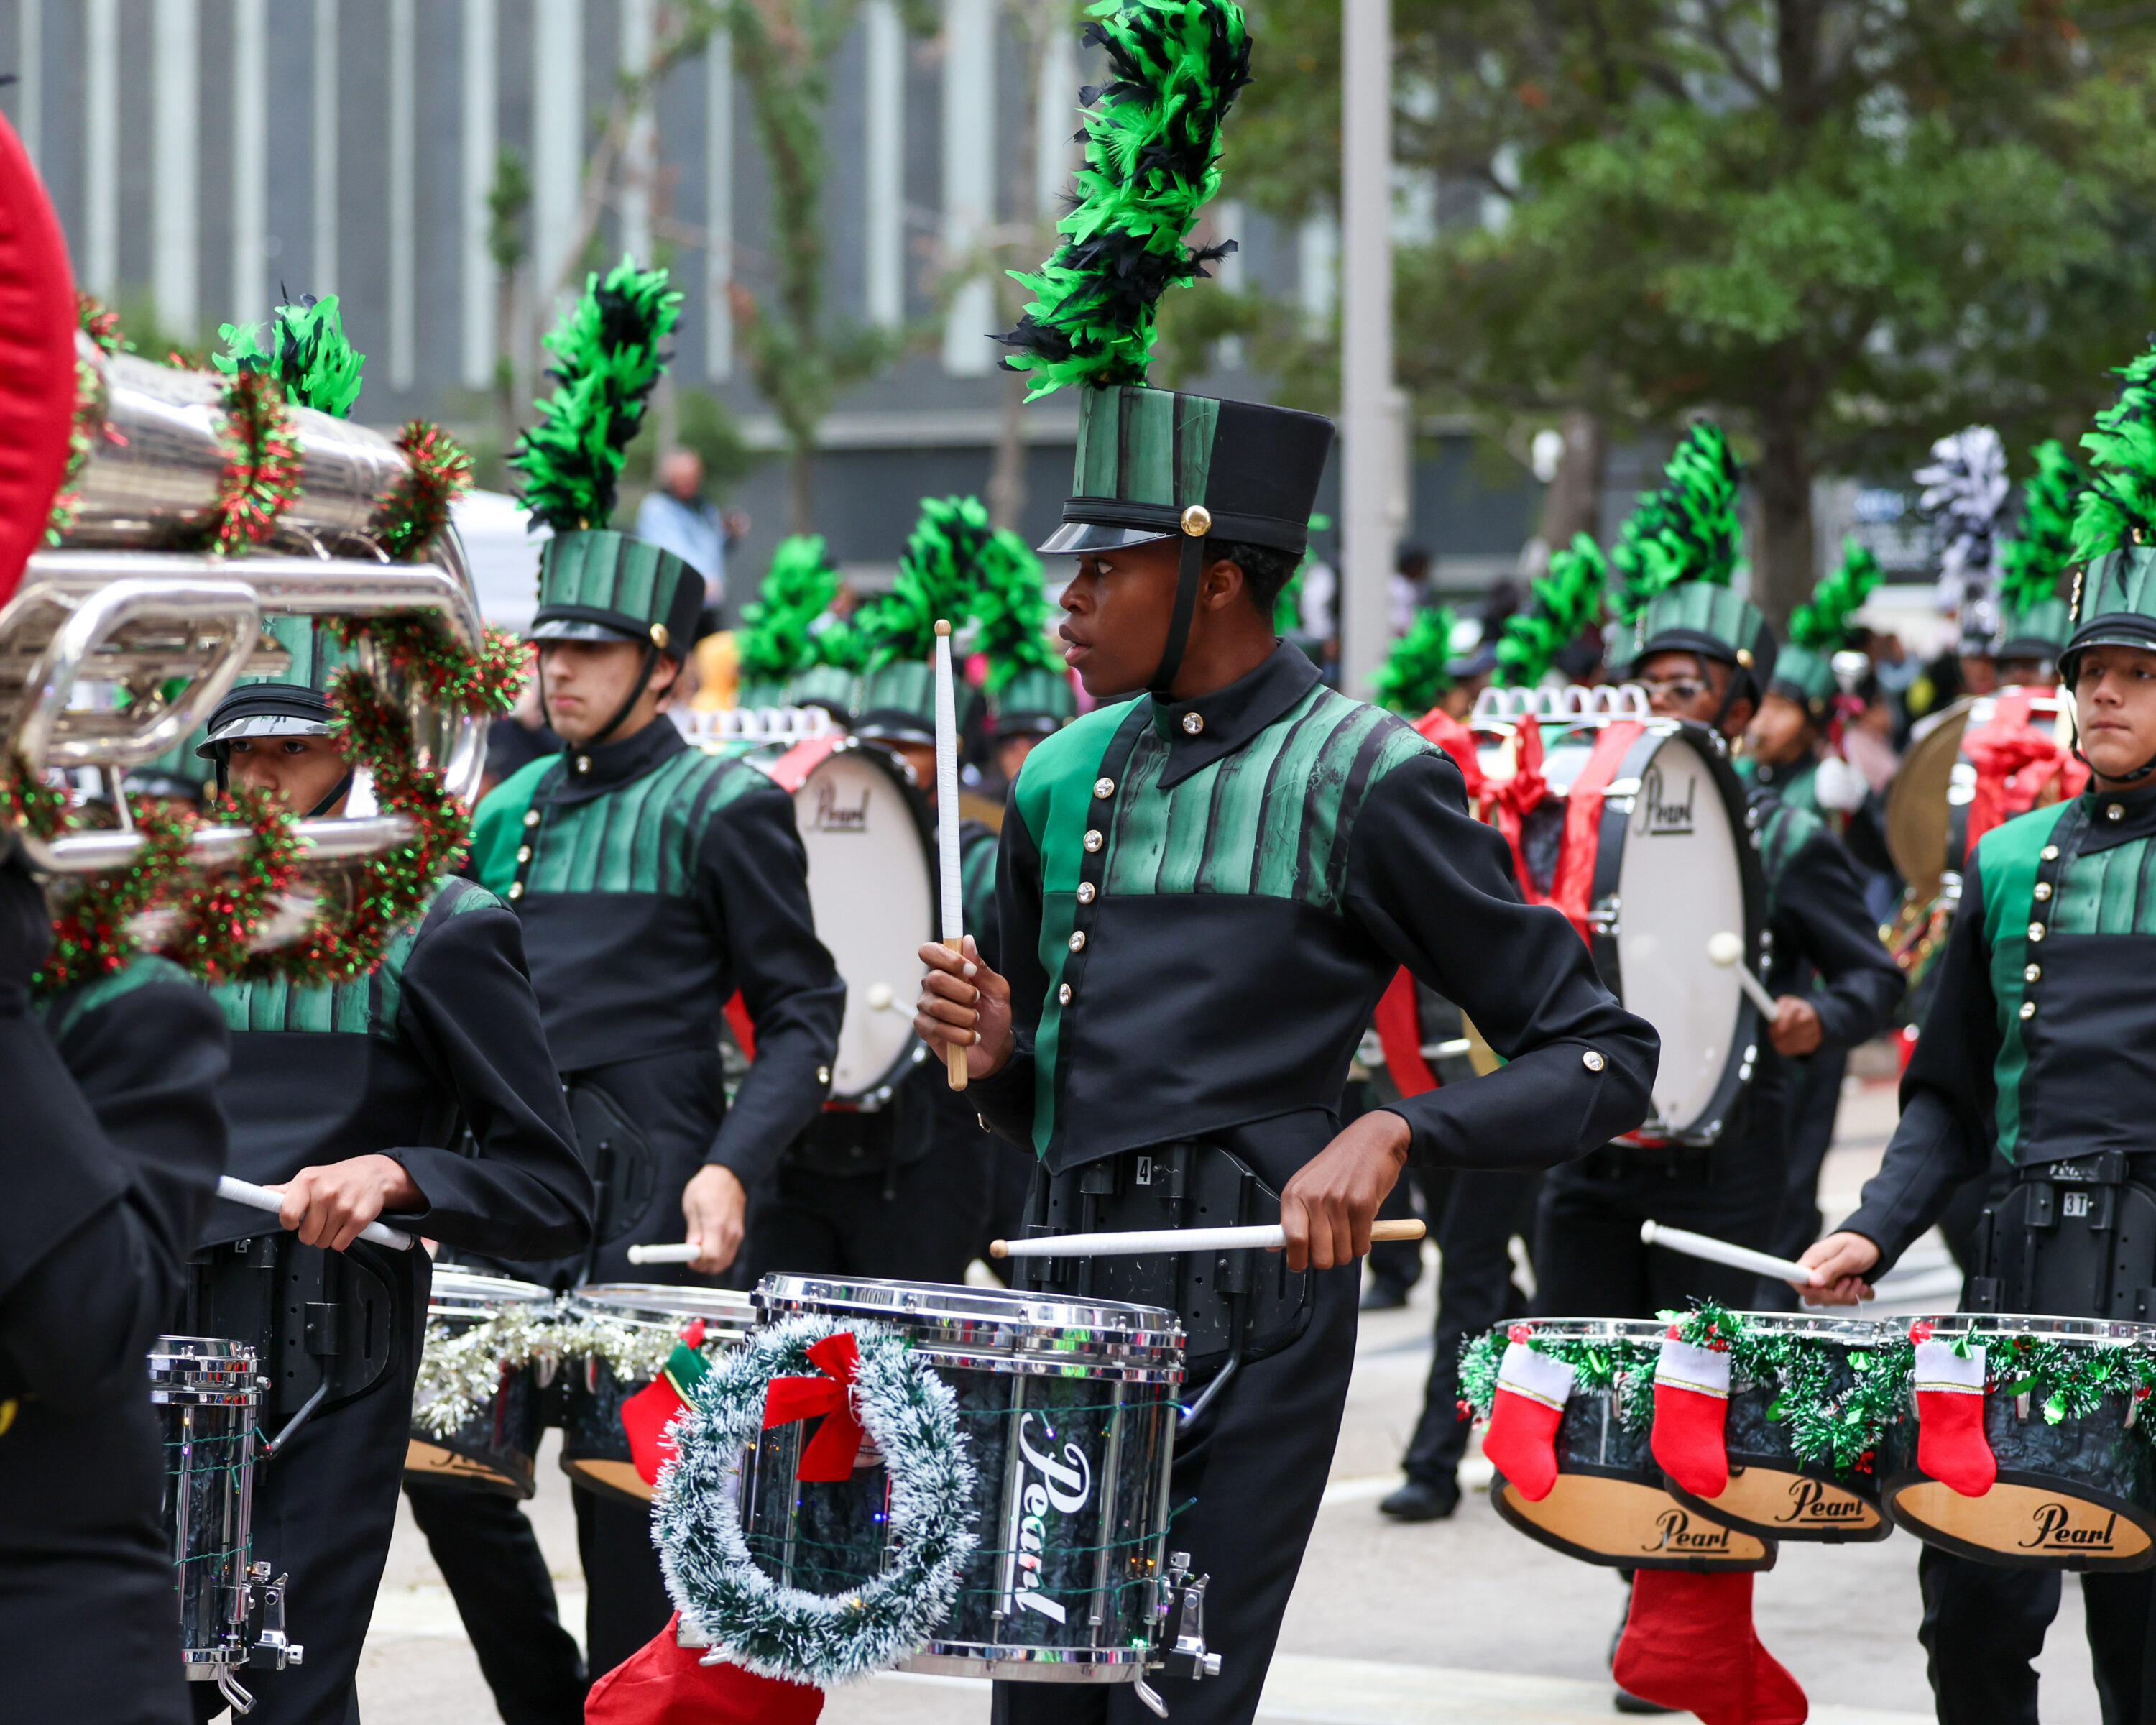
(1616, 1162)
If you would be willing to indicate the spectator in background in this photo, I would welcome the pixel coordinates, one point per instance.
(1410, 575)
(677, 517)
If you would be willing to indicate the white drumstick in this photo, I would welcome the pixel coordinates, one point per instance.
(946, 822)
(1171, 1239)
(261, 1198)
(1727, 950)
(1719, 1251)
(680, 1252)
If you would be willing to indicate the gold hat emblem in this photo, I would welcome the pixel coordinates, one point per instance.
(1197, 521)
(658, 635)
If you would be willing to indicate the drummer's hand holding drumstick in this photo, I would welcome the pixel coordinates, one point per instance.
(327, 1206)
(715, 1206)
(964, 1004)
(1842, 1261)
(1795, 1029)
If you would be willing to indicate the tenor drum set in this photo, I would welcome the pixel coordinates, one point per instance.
(2076, 1484)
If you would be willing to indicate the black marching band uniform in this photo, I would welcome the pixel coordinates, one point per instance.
(117, 1143)
(1589, 1257)
(439, 1041)
(1198, 903)
(2038, 1046)
(652, 881)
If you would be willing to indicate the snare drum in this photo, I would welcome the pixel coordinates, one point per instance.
(1068, 1408)
(1772, 1492)
(872, 885)
(495, 1447)
(641, 1321)
(208, 1393)
(2074, 1493)
(1610, 1505)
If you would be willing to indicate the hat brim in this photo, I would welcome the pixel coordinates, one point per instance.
(257, 724)
(1076, 538)
(890, 725)
(579, 629)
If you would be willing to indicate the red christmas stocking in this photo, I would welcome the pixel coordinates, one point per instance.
(1951, 1446)
(663, 1684)
(648, 1416)
(1689, 1643)
(1521, 1440)
(1692, 1407)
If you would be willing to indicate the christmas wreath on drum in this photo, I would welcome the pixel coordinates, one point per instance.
(866, 1382)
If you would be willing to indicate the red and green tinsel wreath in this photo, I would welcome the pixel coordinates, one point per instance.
(417, 508)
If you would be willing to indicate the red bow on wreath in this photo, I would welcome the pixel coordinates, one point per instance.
(829, 1454)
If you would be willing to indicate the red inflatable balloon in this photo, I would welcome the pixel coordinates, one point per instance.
(37, 358)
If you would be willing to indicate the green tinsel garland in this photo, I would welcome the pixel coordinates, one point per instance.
(1626, 1367)
(2067, 1382)
(1687, 531)
(416, 512)
(1841, 1429)
(1823, 624)
(262, 464)
(1153, 158)
(785, 1632)
(607, 350)
(1561, 605)
(1413, 673)
(2031, 563)
(2119, 506)
(303, 346)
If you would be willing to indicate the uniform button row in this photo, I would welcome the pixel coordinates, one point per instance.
(1078, 941)
(1063, 994)
(2043, 889)
(1086, 891)
(1093, 838)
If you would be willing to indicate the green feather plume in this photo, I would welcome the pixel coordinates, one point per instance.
(1012, 608)
(607, 360)
(1823, 624)
(304, 348)
(1413, 675)
(1688, 531)
(2037, 556)
(2119, 506)
(934, 580)
(1153, 158)
(774, 639)
(1561, 605)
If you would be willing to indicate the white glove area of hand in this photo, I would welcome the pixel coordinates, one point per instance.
(1840, 785)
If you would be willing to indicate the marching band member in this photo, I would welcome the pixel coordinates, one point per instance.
(652, 881)
(900, 1192)
(117, 1143)
(2036, 1046)
(349, 1100)
(1203, 889)
(1704, 653)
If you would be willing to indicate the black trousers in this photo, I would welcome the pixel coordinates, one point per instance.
(484, 1545)
(324, 1508)
(1477, 1213)
(626, 1602)
(1814, 1102)
(1984, 1627)
(1589, 1261)
(920, 1223)
(1244, 1493)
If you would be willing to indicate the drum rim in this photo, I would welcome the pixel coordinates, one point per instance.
(2119, 1332)
(1744, 1044)
(795, 1286)
(733, 1313)
(453, 1280)
(913, 1051)
(1594, 1329)
(1853, 1332)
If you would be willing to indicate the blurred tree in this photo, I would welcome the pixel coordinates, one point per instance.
(1843, 227)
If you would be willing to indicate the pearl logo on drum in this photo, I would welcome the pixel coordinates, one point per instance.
(1065, 1486)
(1656, 817)
(2055, 1531)
(1677, 1532)
(832, 816)
(1811, 1501)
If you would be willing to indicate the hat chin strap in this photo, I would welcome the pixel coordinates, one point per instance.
(1189, 568)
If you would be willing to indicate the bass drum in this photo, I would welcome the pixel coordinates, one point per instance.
(1676, 862)
(872, 887)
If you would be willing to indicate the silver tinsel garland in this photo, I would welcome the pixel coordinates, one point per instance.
(779, 1631)
(461, 1368)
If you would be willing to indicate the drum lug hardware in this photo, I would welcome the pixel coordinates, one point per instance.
(227, 1686)
(1188, 1653)
(1602, 917)
(2021, 1405)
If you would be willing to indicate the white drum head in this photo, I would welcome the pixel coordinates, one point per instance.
(871, 886)
(1680, 881)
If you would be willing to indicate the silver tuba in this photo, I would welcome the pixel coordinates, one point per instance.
(118, 644)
